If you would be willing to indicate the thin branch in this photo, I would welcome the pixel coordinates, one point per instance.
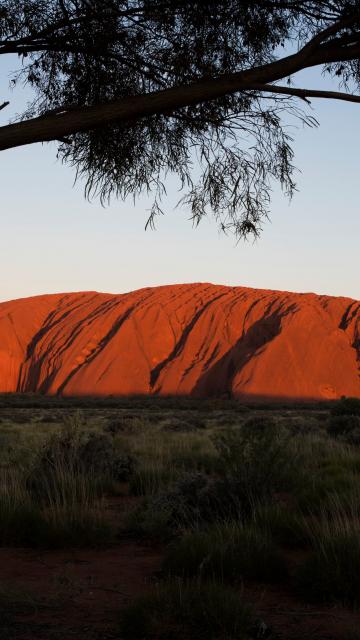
(319, 38)
(4, 104)
(308, 93)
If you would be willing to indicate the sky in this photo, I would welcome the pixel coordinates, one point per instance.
(53, 240)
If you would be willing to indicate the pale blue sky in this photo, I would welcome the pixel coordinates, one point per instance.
(52, 240)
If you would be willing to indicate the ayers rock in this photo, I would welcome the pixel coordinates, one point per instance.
(197, 339)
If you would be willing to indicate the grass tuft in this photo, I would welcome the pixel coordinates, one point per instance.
(332, 571)
(191, 610)
(227, 552)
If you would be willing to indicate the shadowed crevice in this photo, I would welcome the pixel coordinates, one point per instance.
(156, 371)
(33, 375)
(349, 315)
(102, 344)
(219, 378)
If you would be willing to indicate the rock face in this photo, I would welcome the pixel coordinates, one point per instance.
(197, 339)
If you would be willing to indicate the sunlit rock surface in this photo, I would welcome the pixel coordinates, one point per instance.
(198, 339)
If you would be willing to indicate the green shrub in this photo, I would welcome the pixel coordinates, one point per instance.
(230, 552)
(72, 456)
(258, 459)
(191, 611)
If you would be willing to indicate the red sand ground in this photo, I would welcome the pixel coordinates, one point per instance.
(197, 339)
(80, 593)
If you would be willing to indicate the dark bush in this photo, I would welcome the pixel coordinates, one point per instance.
(98, 454)
(303, 425)
(50, 419)
(345, 427)
(346, 407)
(123, 467)
(200, 498)
(227, 419)
(126, 423)
(178, 425)
(194, 499)
(154, 417)
(197, 420)
(19, 418)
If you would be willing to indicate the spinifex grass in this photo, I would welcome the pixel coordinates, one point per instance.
(21, 520)
(228, 552)
(69, 511)
(165, 456)
(73, 507)
(332, 571)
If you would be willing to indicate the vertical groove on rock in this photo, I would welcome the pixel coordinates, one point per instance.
(155, 373)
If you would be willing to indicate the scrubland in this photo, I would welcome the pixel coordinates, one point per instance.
(157, 519)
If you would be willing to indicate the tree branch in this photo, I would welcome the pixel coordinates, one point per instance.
(308, 93)
(127, 110)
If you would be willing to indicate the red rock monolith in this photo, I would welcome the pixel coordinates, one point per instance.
(197, 339)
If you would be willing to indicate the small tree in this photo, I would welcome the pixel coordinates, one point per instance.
(137, 89)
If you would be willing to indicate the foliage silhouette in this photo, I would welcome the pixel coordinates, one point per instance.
(140, 89)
